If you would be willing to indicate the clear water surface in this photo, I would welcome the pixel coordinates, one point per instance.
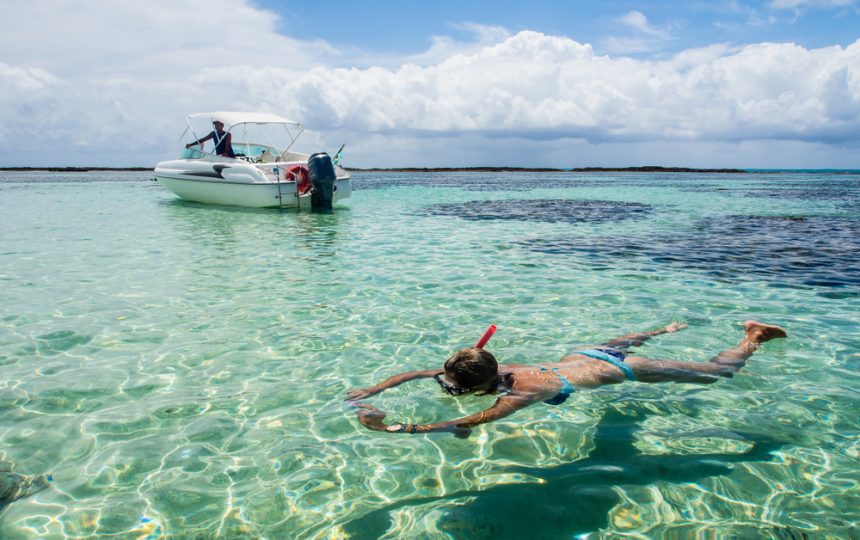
(180, 370)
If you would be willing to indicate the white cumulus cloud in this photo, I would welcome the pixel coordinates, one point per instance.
(119, 96)
(795, 4)
(638, 21)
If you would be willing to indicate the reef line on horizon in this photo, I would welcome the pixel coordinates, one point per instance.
(640, 169)
(482, 169)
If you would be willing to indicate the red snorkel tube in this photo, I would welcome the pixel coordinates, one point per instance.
(488, 333)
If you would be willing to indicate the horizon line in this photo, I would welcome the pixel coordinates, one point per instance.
(479, 168)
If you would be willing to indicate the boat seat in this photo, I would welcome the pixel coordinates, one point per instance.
(266, 157)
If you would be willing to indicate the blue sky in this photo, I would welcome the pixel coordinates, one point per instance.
(406, 27)
(773, 84)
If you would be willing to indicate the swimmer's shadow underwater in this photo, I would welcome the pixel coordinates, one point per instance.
(575, 498)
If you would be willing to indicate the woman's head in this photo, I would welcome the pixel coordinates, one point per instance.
(469, 369)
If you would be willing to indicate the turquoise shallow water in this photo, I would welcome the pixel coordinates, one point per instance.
(180, 370)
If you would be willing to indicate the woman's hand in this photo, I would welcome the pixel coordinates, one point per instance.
(675, 326)
(360, 393)
(371, 417)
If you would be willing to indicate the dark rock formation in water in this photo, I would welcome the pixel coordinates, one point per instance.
(789, 251)
(642, 169)
(543, 210)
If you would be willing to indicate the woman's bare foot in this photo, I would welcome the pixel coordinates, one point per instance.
(757, 333)
(674, 327)
(638, 338)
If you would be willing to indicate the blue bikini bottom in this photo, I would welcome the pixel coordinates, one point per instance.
(566, 389)
(616, 358)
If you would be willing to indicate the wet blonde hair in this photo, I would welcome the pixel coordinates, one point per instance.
(472, 367)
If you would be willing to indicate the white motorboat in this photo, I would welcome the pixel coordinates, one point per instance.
(258, 168)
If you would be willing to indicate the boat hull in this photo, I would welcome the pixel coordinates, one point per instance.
(238, 184)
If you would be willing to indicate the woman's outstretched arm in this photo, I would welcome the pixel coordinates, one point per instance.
(394, 380)
(371, 417)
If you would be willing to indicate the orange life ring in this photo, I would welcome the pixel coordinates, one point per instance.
(299, 174)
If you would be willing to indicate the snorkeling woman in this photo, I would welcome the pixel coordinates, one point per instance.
(474, 370)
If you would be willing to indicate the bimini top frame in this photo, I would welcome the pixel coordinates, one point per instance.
(232, 120)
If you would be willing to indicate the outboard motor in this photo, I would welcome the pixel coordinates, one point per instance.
(322, 177)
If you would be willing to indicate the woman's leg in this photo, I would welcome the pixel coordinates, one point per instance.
(649, 370)
(724, 364)
(755, 334)
(638, 338)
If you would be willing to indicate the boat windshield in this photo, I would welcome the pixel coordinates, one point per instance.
(253, 151)
(255, 142)
(195, 152)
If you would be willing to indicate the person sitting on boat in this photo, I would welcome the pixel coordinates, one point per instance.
(475, 371)
(223, 140)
